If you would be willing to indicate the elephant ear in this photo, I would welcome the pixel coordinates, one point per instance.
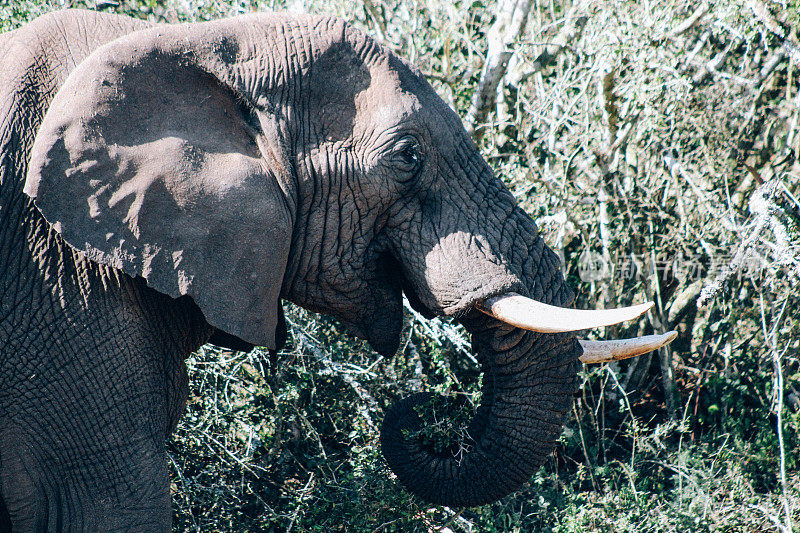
(147, 160)
(226, 340)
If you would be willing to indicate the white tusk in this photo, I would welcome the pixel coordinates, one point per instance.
(606, 351)
(525, 313)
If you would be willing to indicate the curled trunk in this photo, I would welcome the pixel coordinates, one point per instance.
(529, 380)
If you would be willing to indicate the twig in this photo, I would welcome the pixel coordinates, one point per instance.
(297, 509)
(339, 370)
(683, 302)
(456, 514)
(740, 257)
(689, 59)
(511, 19)
(771, 339)
(570, 32)
(711, 66)
(380, 24)
(690, 22)
(789, 46)
(232, 455)
(185, 491)
(665, 352)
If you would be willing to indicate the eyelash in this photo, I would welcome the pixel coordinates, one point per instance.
(408, 152)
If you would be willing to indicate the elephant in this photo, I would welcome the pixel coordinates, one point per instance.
(167, 186)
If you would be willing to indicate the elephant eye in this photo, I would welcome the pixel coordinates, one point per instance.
(407, 156)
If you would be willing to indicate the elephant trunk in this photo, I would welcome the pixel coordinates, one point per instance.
(529, 380)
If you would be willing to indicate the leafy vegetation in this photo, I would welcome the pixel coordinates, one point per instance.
(657, 146)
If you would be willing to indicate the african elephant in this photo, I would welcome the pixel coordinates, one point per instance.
(164, 186)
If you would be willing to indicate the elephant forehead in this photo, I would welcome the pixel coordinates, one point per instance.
(351, 98)
(382, 112)
(358, 88)
(400, 96)
(388, 107)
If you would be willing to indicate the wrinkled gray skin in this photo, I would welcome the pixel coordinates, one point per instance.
(165, 187)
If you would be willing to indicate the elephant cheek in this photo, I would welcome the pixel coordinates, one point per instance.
(377, 321)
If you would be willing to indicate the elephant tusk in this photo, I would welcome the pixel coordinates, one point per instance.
(615, 350)
(526, 313)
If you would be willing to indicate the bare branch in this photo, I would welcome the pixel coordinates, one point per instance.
(690, 22)
(511, 20)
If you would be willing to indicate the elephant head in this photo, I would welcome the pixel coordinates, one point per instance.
(271, 156)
